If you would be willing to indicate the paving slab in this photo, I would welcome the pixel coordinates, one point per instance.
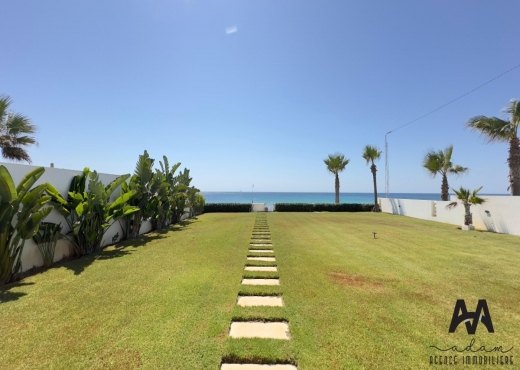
(256, 367)
(261, 251)
(261, 268)
(260, 281)
(253, 329)
(266, 259)
(250, 301)
(261, 244)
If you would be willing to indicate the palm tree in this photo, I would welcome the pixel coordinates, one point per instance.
(467, 198)
(371, 154)
(15, 132)
(440, 163)
(335, 164)
(495, 129)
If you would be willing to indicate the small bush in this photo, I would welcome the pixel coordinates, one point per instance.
(226, 207)
(323, 207)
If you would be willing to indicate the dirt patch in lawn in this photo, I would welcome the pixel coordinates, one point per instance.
(355, 280)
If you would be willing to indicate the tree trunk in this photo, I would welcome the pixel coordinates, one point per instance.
(374, 170)
(337, 189)
(445, 189)
(514, 166)
(468, 219)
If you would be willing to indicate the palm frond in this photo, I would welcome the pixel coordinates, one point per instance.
(336, 163)
(15, 153)
(447, 155)
(5, 102)
(371, 153)
(513, 109)
(432, 161)
(458, 170)
(492, 128)
(20, 124)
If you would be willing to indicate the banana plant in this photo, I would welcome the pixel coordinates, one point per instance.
(180, 194)
(196, 201)
(88, 213)
(21, 212)
(148, 187)
(46, 239)
(164, 176)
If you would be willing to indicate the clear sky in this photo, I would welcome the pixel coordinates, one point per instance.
(259, 92)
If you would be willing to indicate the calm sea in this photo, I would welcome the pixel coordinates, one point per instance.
(270, 198)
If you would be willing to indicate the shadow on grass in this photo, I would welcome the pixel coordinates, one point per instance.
(124, 248)
(79, 265)
(7, 296)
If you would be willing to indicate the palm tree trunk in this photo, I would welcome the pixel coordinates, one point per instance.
(374, 170)
(444, 187)
(514, 166)
(468, 219)
(337, 189)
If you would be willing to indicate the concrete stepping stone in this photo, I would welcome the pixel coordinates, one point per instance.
(261, 251)
(260, 281)
(253, 329)
(250, 301)
(261, 244)
(257, 367)
(266, 259)
(261, 268)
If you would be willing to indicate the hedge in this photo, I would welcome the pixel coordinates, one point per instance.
(323, 207)
(226, 207)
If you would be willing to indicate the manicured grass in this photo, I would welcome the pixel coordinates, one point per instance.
(162, 302)
(352, 302)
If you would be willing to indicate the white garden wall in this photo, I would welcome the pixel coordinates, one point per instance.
(258, 207)
(60, 179)
(498, 214)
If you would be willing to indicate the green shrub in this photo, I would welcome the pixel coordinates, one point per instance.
(322, 207)
(226, 207)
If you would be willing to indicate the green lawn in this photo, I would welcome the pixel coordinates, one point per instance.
(166, 300)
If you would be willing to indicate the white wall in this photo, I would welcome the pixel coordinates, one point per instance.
(502, 216)
(60, 179)
(258, 207)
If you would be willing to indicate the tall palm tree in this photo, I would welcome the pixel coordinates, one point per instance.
(371, 154)
(496, 129)
(467, 199)
(335, 164)
(16, 132)
(440, 163)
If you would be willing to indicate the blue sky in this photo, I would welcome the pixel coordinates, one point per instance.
(265, 104)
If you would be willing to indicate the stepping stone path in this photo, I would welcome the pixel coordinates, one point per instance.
(261, 268)
(246, 301)
(260, 281)
(261, 237)
(270, 330)
(265, 259)
(256, 367)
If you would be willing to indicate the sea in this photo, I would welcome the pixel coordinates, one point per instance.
(270, 198)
